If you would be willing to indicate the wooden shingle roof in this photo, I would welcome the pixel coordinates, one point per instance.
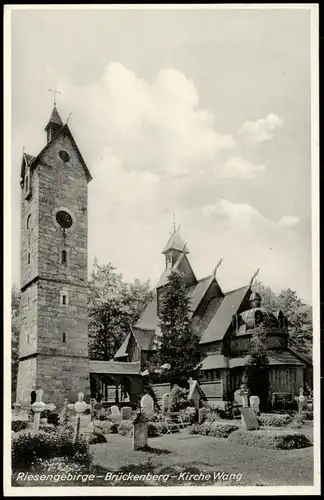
(221, 321)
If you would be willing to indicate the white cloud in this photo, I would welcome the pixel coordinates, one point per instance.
(153, 125)
(288, 221)
(260, 130)
(237, 167)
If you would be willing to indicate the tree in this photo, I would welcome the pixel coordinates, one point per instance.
(257, 368)
(299, 315)
(178, 344)
(113, 307)
(15, 308)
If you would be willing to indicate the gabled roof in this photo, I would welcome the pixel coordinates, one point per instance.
(27, 160)
(175, 242)
(301, 356)
(197, 292)
(275, 358)
(32, 160)
(144, 338)
(65, 130)
(213, 362)
(189, 274)
(148, 319)
(54, 118)
(221, 321)
(122, 351)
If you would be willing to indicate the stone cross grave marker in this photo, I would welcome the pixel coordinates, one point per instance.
(80, 407)
(255, 403)
(165, 403)
(147, 406)
(249, 419)
(126, 412)
(301, 400)
(38, 407)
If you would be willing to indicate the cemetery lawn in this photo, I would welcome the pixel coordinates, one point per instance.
(183, 453)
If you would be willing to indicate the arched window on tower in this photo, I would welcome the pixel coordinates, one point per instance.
(64, 257)
(28, 223)
(27, 183)
(64, 338)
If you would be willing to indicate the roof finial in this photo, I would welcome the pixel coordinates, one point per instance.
(55, 91)
(174, 225)
(184, 247)
(217, 266)
(254, 276)
(67, 121)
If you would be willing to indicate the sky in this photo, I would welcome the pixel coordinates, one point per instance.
(204, 114)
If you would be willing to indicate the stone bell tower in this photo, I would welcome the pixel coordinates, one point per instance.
(53, 344)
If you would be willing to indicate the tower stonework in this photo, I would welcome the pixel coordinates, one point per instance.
(53, 343)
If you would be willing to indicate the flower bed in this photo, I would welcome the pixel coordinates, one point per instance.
(27, 450)
(272, 439)
(213, 429)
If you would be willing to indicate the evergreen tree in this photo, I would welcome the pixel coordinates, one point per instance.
(178, 344)
(257, 368)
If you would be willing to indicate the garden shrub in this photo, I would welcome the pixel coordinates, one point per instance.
(27, 449)
(188, 415)
(19, 425)
(271, 439)
(125, 428)
(178, 399)
(307, 415)
(274, 419)
(213, 429)
(96, 438)
(106, 426)
(53, 418)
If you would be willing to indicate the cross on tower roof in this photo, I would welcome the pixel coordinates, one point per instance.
(55, 91)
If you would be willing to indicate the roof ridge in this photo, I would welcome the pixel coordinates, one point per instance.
(237, 289)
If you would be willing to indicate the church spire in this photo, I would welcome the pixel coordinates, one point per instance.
(54, 124)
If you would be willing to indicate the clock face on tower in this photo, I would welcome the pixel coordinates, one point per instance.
(64, 219)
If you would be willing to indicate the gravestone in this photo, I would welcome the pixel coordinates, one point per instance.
(126, 412)
(147, 406)
(115, 410)
(140, 432)
(249, 419)
(165, 403)
(255, 403)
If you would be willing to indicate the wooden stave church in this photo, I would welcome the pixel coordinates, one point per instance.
(226, 322)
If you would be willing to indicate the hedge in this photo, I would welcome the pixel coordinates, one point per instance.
(271, 439)
(274, 419)
(27, 449)
(213, 429)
